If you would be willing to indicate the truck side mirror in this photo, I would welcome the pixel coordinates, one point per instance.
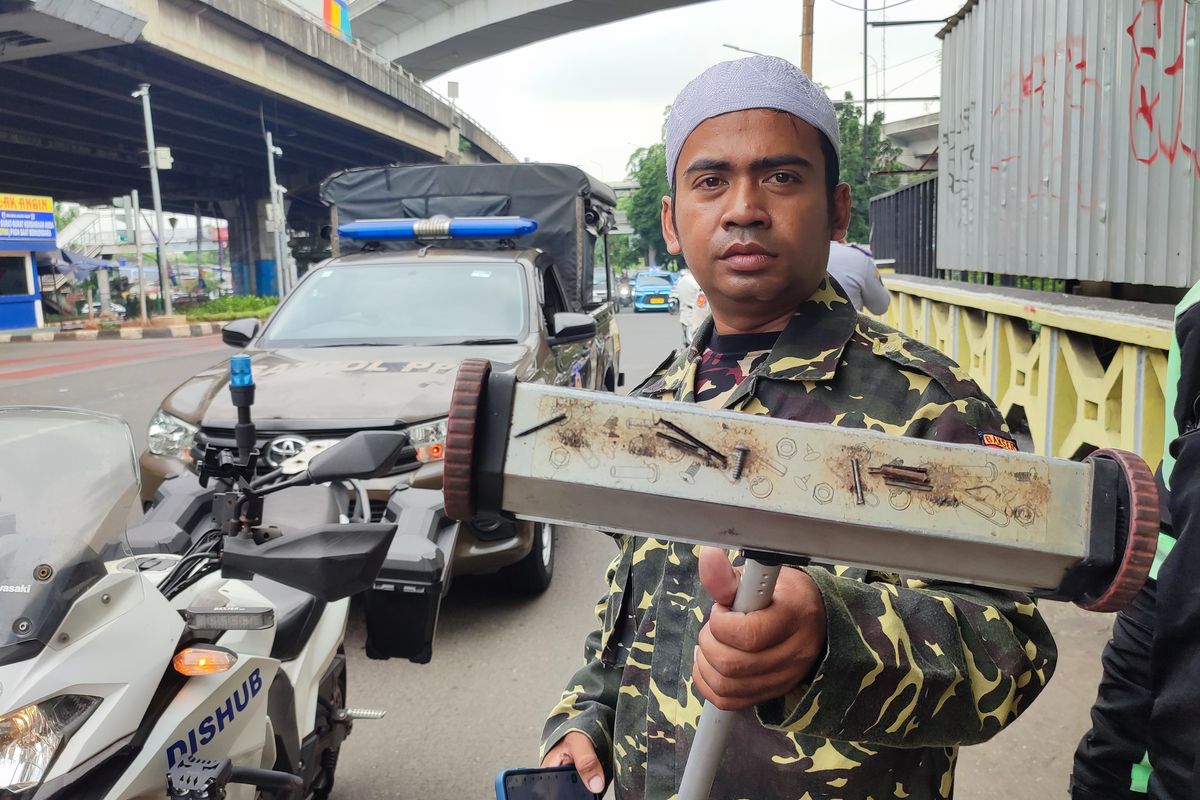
(571, 327)
(239, 332)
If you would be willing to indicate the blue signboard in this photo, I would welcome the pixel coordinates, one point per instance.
(27, 223)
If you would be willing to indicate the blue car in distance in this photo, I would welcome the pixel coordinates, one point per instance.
(651, 291)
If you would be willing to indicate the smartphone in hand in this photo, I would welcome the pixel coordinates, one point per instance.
(543, 783)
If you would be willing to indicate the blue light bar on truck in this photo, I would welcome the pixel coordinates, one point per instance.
(378, 230)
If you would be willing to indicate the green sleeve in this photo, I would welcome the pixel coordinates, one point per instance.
(589, 701)
(918, 664)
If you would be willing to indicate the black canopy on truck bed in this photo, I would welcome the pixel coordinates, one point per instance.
(571, 207)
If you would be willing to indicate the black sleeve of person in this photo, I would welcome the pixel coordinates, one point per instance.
(1174, 722)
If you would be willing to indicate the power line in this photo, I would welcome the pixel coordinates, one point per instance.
(915, 77)
(893, 66)
(881, 8)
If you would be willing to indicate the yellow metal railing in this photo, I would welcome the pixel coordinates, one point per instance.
(1083, 374)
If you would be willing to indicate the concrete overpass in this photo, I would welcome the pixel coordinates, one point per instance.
(221, 73)
(429, 37)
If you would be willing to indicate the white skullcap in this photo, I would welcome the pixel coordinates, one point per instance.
(755, 82)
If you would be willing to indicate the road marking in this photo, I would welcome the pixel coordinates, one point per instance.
(85, 359)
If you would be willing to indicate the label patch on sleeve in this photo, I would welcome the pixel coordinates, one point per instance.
(997, 440)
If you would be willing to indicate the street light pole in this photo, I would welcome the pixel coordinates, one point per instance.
(143, 91)
(281, 271)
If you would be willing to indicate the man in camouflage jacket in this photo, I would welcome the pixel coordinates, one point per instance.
(852, 683)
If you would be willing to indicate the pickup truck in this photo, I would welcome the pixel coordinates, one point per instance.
(371, 339)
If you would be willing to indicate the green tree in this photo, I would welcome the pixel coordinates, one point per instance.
(881, 156)
(64, 213)
(623, 252)
(648, 166)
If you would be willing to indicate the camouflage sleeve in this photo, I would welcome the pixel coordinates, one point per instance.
(589, 701)
(915, 663)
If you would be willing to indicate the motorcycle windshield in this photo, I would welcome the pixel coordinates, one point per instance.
(68, 487)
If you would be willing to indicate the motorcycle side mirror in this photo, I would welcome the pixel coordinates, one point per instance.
(366, 454)
(331, 562)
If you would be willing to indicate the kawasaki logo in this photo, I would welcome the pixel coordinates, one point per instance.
(215, 723)
(21, 588)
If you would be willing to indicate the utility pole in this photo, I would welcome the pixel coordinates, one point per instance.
(137, 247)
(143, 91)
(806, 38)
(199, 234)
(865, 120)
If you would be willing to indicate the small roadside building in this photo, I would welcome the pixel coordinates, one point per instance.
(26, 228)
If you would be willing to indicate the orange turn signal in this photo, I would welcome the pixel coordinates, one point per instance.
(433, 452)
(208, 660)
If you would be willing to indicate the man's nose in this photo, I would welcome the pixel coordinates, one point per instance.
(745, 208)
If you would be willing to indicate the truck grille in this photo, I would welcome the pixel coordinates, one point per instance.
(224, 437)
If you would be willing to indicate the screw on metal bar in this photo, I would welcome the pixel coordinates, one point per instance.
(856, 469)
(740, 451)
(557, 418)
(717, 454)
(902, 477)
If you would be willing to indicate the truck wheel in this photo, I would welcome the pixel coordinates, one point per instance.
(533, 573)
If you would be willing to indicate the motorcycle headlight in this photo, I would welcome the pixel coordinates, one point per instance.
(171, 436)
(30, 736)
(430, 440)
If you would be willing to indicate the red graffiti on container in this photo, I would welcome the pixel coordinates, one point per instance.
(1059, 73)
(1156, 89)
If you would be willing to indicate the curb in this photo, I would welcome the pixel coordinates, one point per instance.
(168, 332)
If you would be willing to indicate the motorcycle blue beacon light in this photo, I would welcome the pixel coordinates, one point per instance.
(438, 228)
(240, 374)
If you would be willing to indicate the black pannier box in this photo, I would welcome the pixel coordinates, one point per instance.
(402, 608)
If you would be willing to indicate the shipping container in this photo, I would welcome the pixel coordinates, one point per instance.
(1070, 140)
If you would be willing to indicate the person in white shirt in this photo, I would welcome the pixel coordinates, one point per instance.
(856, 273)
(691, 313)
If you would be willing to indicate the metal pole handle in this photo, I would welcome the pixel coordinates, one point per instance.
(754, 593)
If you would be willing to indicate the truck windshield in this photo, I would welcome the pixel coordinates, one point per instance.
(430, 303)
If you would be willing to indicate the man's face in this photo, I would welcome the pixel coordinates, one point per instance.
(752, 216)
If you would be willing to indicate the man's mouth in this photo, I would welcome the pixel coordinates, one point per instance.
(747, 256)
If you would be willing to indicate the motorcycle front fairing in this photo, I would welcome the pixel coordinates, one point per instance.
(77, 635)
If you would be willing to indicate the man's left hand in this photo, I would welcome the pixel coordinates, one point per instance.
(746, 659)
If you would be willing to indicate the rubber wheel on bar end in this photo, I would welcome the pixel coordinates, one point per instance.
(458, 490)
(1141, 539)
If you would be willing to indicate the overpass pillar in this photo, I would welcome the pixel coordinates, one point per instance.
(252, 246)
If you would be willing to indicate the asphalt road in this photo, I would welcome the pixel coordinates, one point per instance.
(500, 662)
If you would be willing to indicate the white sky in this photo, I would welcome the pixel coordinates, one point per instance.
(592, 97)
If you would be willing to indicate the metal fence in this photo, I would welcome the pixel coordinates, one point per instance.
(904, 227)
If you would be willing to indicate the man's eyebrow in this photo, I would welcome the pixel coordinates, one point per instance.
(708, 164)
(787, 160)
(767, 162)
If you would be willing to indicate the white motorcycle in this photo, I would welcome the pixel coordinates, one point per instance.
(211, 673)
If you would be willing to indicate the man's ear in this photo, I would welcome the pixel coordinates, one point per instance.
(670, 235)
(839, 215)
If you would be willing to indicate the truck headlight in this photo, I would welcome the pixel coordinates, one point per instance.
(429, 438)
(30, 736)
(171, 436)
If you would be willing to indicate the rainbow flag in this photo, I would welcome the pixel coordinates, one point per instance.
(337, 19)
